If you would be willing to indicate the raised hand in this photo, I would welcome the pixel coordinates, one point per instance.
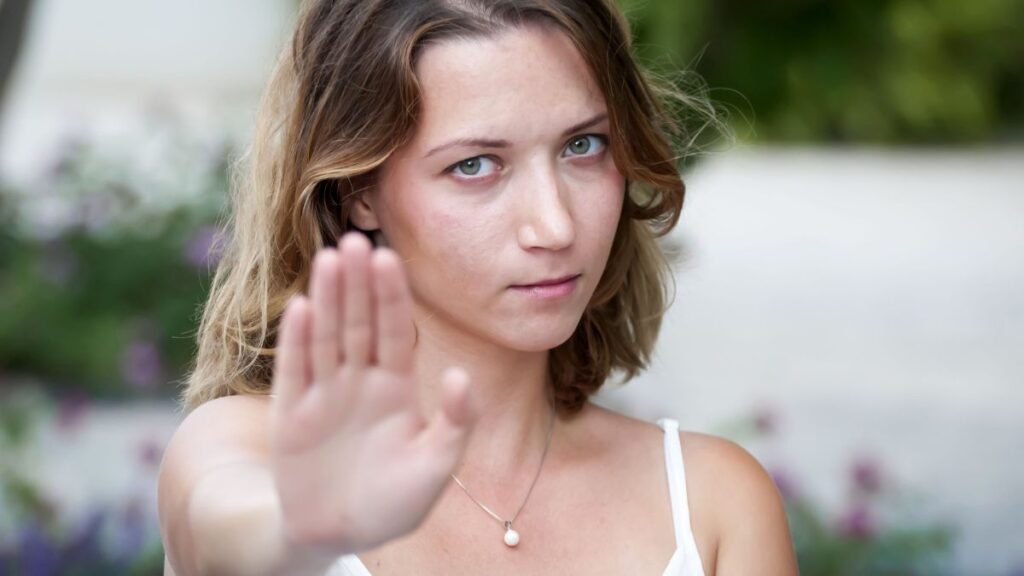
(355, 462)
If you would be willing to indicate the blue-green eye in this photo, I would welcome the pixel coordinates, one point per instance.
(470, 167)
(475, 167)
(586, 145)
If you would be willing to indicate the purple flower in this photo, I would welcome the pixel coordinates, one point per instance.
(141, 364)
(7, 558)
(866, 474)
(203, 247)
(132, 529)
(85, 547)
(858, 522)
(150, 452)
(71, 411)
(37, 551)
(765, 420)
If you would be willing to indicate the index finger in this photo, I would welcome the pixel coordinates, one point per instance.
(395, 332)
(291, 361)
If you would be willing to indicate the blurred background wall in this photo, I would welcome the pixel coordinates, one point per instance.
(849, 300)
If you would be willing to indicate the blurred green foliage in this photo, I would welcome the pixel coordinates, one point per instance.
(825, 548)
(875, 71)
(104, 298)
(119, 292)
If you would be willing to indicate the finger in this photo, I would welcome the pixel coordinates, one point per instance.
(291, 365)
(448, 432)
(324, 295)
(395, 333)
(357, 337)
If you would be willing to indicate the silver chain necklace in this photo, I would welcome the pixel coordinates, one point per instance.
(511, 536)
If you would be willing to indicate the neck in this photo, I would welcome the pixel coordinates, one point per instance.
(509, 393)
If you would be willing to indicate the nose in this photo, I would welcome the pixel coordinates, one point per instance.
(546, 213)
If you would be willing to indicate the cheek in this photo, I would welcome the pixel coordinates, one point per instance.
(610, 207)
(458, 242)
(600, 214)
(444, 247)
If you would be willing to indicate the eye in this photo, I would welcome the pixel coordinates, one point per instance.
(586, 145)
(473, 168)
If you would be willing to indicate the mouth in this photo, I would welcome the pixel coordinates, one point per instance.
(550, 288)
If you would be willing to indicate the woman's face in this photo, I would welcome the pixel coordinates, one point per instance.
(507, 181)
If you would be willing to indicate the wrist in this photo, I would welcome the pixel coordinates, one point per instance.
(243, 531)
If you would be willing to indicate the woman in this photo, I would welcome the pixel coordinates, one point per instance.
(421, 406)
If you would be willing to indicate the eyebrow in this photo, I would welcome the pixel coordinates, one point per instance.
(470, 142)
(487, 143)
(585, 124)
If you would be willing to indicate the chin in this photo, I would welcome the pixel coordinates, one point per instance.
(526, 338)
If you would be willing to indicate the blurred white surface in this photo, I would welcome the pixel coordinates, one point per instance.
(873, 300)
(100, 68)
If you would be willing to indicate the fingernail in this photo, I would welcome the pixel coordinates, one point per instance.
(353, 239)
(456, 374)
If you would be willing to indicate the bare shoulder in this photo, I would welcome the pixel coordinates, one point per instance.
(733, 477)
(736, 512)
(228, 428)
(742, 503)
(223, 432)
(718, 468)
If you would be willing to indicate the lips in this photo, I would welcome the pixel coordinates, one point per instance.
(548, 282)
(550, 289)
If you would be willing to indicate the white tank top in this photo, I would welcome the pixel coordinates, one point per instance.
(685, 561)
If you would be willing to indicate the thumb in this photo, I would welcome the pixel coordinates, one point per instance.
(450, 426)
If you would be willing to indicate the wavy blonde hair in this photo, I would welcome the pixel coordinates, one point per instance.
(344, 95)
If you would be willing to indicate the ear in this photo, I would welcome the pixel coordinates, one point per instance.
(363, 214)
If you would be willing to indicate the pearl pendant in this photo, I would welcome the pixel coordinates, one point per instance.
(511, 536)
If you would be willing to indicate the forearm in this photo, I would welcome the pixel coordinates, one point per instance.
(236, 527)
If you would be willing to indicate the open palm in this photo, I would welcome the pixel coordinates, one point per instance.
(355, 462)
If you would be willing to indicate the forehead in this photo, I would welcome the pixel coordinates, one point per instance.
(518, 83)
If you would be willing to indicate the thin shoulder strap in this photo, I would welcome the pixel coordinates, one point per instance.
(676, 479)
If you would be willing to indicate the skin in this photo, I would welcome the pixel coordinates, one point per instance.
(536, 208)
(365, 381)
